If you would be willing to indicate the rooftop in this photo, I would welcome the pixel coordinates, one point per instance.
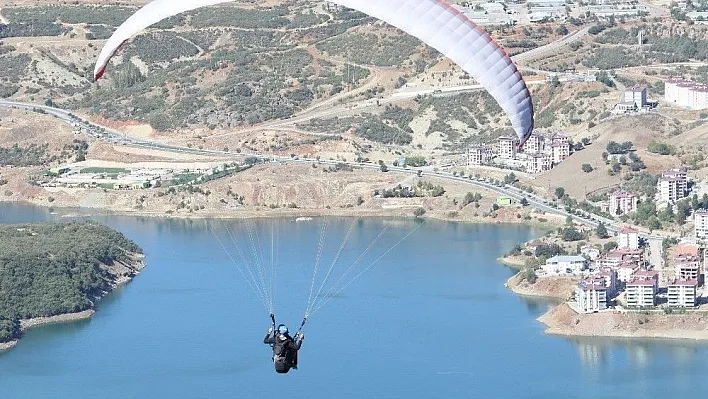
(592, 283)
(676, 282)
(644, 275)
(566, 258)
(641, 282)
(636, 88)
(627, 230)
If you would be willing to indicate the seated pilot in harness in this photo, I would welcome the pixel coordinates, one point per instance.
(284, 347)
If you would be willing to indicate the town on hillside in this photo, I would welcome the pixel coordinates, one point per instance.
(624, 274)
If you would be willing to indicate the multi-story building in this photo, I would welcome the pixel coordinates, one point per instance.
(621, 256)
(641, 290)
(633, 98)
(560, 151)
(670, 189)
(622, 202)
(636, 94)
(534, 144)
(686, 93)
(625, 271)
(628, 238)
(700, 222)
(591, 295)
(507, 147)
(687, 267)
(478, 155)
(682, 293)
(565, 264)
(673, 185)
(538, 163)
(609, 275)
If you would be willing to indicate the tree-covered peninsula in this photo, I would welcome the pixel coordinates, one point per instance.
(59, 268)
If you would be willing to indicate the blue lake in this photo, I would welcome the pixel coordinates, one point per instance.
(431, 319)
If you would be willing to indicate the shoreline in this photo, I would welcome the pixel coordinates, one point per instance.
(561, 320)
(281, 213)
(27, 324)
(121, 279)
(626, 325)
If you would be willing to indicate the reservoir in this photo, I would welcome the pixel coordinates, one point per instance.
(430, 319)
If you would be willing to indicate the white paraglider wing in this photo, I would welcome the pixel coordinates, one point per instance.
(434, 22)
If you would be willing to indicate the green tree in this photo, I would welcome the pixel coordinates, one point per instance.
(560, 192)
(529, 275)
(571, 234)
(667, 214)
(419, 212)
(609, 246)
(524, 202)
(587, 168)
(510, 178)
(601, 230)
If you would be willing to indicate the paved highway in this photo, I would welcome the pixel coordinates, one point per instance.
(105, 133)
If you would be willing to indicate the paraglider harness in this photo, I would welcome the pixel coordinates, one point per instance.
(286, 358)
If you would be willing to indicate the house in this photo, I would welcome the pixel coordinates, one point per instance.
(478, 155)
(687, 267)
(641, 290)
(682, 293)
(700, 222)
(628, 238)
(622, 202)
(565, 264)
(591, 295)
(506, 147)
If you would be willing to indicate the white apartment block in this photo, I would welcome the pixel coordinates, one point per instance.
(700, 221)
(534, 144)
(640, 292)
(622, 202)
(673, 185)
(565, 264)
(633, 98)
(478, 155)
(507, 147)
(591, 295)
(686, 93)
(609, 275)
(538, 163)
(625, 271)
(636, 95)
(628, 238)
(560, 151)
(682, 293)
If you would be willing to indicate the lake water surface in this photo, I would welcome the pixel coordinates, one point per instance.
(432, 319)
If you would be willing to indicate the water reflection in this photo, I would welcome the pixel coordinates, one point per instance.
(595, 354)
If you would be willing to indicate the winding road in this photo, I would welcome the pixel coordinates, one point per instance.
(114, 136)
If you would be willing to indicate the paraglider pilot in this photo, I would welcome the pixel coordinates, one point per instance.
(284, 347)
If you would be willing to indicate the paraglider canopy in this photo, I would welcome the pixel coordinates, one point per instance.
(435, 22)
